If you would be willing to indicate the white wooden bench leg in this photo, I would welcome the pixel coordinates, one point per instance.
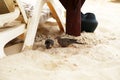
(33, 25)
(13, 33)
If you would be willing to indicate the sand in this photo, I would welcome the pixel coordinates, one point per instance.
(97, 59)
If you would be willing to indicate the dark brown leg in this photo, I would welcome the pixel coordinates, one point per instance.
(73, 17)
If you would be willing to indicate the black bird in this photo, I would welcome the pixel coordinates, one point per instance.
(65, 42)
(49, 43)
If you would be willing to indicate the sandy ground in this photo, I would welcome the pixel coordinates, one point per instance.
(97, 59)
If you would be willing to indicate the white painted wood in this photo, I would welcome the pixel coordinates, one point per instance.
(9, 34)
(22, 10)
(2, 54)
(9, 17)
(33, 25)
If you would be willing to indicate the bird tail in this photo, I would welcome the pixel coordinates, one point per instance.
(79, 42)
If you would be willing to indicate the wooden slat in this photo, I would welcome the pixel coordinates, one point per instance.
(56, 14)
(33, 25)
(22, 10)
